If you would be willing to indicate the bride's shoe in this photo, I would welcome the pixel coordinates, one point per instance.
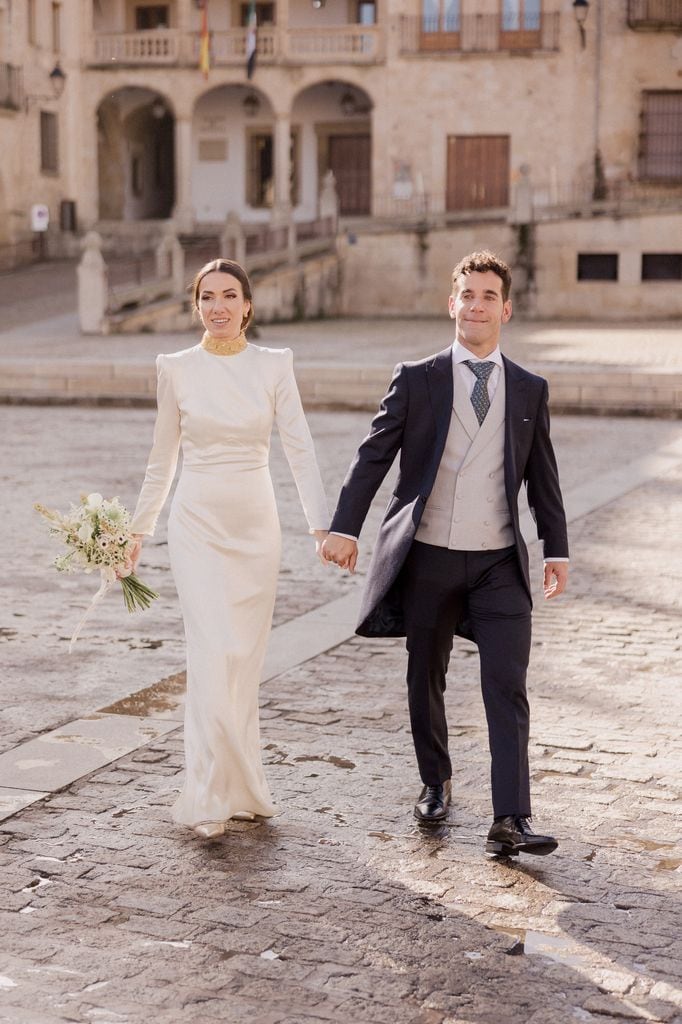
(210, 830)
(244, 816)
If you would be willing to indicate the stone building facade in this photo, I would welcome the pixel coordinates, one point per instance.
(447, 123)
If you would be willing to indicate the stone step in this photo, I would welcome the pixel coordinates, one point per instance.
(603, 392)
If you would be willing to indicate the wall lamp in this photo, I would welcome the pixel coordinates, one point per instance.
(57, 80)
(581, 8)
(251, 104)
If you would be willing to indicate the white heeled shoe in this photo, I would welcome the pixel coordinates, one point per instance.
(244, 816)
(210, 830)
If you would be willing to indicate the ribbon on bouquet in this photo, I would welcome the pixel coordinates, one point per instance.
(104, 587)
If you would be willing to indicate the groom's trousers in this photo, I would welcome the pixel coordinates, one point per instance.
(441, 587)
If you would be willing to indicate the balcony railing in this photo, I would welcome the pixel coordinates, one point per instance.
(230, 47)
(10, 87)
(477, 33)
(656, 15)
(344, 44)
(161, 46)
(353, 44)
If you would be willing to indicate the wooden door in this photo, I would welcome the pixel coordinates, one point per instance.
(477, 172)
(349, 157)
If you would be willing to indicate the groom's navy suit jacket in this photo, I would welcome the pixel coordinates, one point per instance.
(414, 420)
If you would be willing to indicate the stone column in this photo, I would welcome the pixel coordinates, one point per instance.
(282, 147)
(170, 258)
(93, 288)
(232, 239)
(183, 211)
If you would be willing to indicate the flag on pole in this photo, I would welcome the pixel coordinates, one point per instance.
(251, 39)
(204, 41)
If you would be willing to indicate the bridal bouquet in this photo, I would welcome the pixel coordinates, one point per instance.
(97, 537)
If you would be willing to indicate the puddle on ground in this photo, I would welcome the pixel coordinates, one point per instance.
(557, 947)
(648, 844)
(154, 701)
(338, 762)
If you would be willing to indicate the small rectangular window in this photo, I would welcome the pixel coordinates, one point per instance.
(152, 16)
(597, 266)
(662, 266)
(49, 153)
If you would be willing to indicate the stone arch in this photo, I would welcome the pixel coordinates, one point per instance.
(136, 155)
(232, 154)
(336, 134)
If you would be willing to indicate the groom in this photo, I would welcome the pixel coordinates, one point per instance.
(471, 427)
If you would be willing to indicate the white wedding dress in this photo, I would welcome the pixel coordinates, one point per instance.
(224, 544)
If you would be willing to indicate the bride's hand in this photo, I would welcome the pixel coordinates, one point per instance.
(320, 537)
(135, 551)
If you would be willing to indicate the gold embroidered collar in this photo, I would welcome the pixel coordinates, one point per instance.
(220, 347)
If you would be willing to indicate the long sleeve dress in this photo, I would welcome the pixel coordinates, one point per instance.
(224, 543)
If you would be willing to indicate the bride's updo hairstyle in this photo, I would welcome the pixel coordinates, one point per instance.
(224, 267)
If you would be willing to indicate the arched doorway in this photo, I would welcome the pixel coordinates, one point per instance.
(135, 150)
(233, 155)
(336, 135)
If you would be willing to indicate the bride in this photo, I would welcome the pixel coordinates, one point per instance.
(219, 401)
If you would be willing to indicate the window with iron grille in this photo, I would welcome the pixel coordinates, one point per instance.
(49, 153)
(662, 266)
(597, 266)
(660, 144)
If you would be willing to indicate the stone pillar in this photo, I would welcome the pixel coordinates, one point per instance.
(329, 200)
(183, 212)
(170, 258)
(522, 210)
(282, 147)
(232, 240)
(93, 288)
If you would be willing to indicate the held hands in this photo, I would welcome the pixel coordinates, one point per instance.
(555, 579)
(320, 536)
(341, 551)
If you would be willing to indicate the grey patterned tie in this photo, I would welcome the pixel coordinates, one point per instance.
(480, 399)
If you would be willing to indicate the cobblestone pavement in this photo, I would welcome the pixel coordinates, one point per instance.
(339, 909)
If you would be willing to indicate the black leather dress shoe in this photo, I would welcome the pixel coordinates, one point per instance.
(433, 802)
(511, 836)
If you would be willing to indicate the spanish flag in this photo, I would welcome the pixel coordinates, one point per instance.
(204, 41)
(251, 39)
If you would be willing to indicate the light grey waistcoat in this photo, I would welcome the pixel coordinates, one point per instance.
(467, 509)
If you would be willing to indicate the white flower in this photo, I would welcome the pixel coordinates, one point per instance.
(93, 502)
(103, 543)
(84, 532)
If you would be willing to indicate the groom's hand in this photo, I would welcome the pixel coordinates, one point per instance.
(341, 551)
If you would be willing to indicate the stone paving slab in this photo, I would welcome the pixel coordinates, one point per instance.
(61, 756)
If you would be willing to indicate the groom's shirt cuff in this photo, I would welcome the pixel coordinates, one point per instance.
(335, 533)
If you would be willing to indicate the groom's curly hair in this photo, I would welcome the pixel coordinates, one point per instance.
(481, 262)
